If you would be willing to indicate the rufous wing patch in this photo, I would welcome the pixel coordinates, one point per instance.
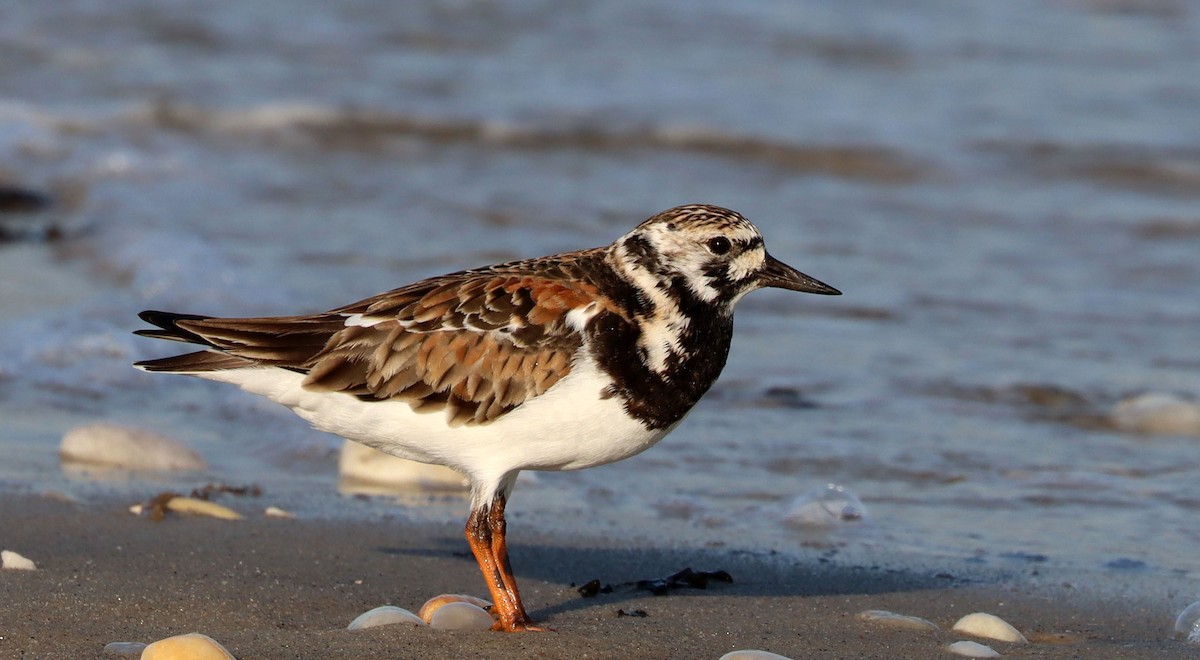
(475, 349)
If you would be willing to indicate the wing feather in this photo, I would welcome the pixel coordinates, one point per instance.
(474, 344)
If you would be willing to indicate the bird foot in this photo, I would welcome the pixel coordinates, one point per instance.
(520, 626)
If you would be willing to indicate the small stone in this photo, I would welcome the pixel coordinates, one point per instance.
(1188, 623)
(124, 648)
(276, 512)
(1158, 413)
(13, 561)
(434, 604)
(461, 616)
(895, 620)
(982, 624)
(122, 447)
(202, 508)
(753, 654)
(385, 615)
(193, 646)
(972, 650)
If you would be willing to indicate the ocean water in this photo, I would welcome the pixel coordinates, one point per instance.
(1007, 193)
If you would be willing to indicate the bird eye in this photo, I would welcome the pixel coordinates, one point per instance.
(719, 245)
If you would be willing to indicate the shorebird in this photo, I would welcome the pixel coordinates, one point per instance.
(556, 363)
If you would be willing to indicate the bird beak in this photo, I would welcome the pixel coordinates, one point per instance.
(780, 275)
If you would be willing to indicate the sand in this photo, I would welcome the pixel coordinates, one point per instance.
(279, 588)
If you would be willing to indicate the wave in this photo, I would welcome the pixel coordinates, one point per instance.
(355, 128)
(1164, 170)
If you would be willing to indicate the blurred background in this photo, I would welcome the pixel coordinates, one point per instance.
(1008, 193)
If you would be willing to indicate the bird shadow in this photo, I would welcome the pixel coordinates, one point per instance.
(623, 574)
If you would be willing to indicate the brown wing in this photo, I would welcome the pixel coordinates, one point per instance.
(476, 344)
(477, 347)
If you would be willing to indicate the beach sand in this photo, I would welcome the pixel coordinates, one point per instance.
(287, 588)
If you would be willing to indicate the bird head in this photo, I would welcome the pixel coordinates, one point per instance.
(712, 253)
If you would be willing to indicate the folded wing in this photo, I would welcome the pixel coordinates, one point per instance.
(476, 344)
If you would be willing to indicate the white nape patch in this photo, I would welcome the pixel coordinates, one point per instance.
(363, 321)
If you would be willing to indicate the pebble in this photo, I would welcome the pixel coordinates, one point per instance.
(982, 624)
(276, 512)
(1158, 413)
(193, 646)
(13, 561)
(202, 508)
(753, 654)
(385, 615)
(972, 650)
(370, 471)
(895, 620)
(434, 604)
(124, 648)
(114, 446)
(1188, 623)
(460, 616)
(827, 506)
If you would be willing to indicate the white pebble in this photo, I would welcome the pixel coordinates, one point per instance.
(385, 615)
(1159, 413)
(461, 616)
(972, 650)
(1188, 623)
(827, 506)
(276, 512)
(434, 604)
(201, 507)
(192, 646)
(124, 648)
(363, 469)
(13, 561)
(895, 620)
(115, 446)
(982, 624)
(753, 654)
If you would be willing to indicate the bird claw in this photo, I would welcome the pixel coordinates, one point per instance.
(520, 626)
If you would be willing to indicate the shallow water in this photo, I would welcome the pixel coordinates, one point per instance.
(1007, 193)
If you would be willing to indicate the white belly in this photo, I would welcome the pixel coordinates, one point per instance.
(569, 427)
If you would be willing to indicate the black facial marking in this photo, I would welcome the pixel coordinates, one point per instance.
(643, 253)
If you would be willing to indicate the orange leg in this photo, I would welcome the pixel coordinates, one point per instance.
(485, 534)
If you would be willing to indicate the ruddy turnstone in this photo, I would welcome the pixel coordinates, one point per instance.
(558, 363)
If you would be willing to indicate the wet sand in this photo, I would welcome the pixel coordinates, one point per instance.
(280, 588)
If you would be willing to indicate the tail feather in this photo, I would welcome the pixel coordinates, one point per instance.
(197, 362)
(168, 328)
(287, 342)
